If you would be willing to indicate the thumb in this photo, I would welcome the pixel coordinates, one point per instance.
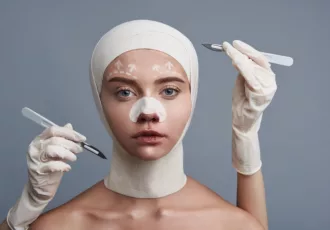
(68, 125)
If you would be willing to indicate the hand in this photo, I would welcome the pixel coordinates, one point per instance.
(46, 160)
(254, 89)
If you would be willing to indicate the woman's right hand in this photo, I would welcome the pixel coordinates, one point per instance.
(47, 159)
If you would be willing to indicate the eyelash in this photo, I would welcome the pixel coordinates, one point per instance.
(122, 90)
(176, 89)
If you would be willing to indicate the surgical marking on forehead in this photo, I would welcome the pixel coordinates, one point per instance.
(169, 65)
(118, 65)
(166, 68)
(156, 68)
(131, 67)
(120, 69)
(174, 73)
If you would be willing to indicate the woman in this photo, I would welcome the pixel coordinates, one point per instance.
(144, 77)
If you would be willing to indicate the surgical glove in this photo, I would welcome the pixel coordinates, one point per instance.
(254, 89)
(46, 159)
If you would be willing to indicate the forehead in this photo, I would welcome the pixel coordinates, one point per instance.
(147, 60)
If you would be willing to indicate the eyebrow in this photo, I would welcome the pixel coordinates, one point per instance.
(158, 81)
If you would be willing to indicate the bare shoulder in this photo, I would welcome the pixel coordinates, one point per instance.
(221, 213)
(69, 216)
(62, 217)
(239, 219)
(204, 196)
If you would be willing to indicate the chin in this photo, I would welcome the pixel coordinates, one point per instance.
(149, 153)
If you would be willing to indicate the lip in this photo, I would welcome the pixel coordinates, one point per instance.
(149, 137)
(146, 133)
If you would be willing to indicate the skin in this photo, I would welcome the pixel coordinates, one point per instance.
(100, 208)
(121, 91)
(250, 189)
(251, 196)
(193, 207)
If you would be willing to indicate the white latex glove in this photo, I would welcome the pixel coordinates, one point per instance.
(254, 89)
(46, 158)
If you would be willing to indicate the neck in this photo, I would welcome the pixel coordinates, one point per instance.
(137, 178)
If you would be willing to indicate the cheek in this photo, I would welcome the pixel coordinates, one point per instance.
(178, 113)
(117, 115)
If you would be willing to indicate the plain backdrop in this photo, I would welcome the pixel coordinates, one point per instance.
(45, 48)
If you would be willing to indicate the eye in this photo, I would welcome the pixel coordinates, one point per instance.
(170, 91)
(125, 93)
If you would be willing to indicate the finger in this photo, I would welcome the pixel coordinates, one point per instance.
(233, 53)
(55, 152)
(55, 166)
(243, 64)
(68, 125)
(67, 144)
(252, 53)
(266, 78)
(65, 132)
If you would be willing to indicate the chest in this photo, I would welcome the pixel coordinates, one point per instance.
(172, 221)
(191, 224)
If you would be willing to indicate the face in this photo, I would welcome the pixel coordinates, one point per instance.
(145, 95)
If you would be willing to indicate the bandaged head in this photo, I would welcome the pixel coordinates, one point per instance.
(129, 175)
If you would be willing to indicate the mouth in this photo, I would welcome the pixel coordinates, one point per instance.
(149, 137)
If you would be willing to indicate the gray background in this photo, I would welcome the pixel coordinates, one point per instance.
(45, 48)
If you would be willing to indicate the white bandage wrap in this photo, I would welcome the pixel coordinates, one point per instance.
(128, 175)
(147, 105)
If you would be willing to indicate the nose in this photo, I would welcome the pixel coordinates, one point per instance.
(151, 117)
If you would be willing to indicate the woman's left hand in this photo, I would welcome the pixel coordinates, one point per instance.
(254, 89)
